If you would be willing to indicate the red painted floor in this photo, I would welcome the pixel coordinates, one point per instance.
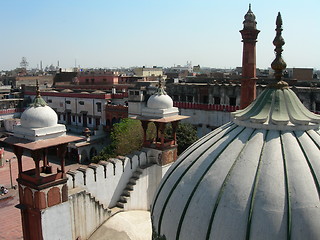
(10, 218)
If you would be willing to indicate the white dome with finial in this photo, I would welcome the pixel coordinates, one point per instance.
(39, 117)
(160, 102)
(257, 177)
(39, 121)
(159, 105)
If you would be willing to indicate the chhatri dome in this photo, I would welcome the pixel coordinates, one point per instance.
(38, 114)
(257, 177)
(160, 100)
(250, 20)
(39, 121)
(160, 105)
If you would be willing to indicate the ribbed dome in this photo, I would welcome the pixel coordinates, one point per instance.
(242, 183)
(257, 177)
(254, 178)
(160, 102)
(277, 109)
(39, 117)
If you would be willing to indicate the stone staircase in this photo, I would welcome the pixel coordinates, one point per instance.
(129, 188)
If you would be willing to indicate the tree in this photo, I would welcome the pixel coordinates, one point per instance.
(126, 137)
(186, 135)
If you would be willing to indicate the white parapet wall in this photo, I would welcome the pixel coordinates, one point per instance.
(107, 180)
(52, 226)
(206, 120)
(86, 212)
(95, 191)
(143, 192)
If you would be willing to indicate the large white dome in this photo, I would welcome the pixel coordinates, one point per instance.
(254, 178)
(160, 102)
(39, 117)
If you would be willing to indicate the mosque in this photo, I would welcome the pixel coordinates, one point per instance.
(256, 177)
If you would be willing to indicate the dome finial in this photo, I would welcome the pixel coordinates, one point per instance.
(37, 89)
(160, 90)
(278, 65)
(38, 100)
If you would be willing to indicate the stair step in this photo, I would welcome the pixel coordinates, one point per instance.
(120, 205)
(123, 199)
(130, 186)
(126, 192)
(135, 177)
(136, 174)
(133, 181)
(115, 210)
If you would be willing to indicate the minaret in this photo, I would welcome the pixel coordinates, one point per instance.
(249, 38)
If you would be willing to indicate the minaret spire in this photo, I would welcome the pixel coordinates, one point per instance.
(249, 38)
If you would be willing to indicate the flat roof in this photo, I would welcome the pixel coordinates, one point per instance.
(35, 145)
(161, 120)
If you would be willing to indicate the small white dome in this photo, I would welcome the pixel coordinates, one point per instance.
(38, 117)
(160, 102)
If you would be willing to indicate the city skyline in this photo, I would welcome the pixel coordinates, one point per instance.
(111, 34)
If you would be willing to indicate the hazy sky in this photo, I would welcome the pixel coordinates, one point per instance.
(124, 33)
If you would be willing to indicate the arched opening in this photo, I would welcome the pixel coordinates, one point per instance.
(93, 152)
(84, 156)
(74, 156)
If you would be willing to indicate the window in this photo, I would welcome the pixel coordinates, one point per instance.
(81, 102)
(73, 118)
(87, 80)
(64, 117)
(190, 99)
(317, 106)
(136, 93)
(98, 107)
(216, 100)
(68, 102)
(131, 92)
(92, 80)
(104, 80)
(232, 101)
(79, 119)
(49, 101)
(205, 99)
(90, 120)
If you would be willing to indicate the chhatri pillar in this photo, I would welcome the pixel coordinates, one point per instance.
(249, 38)
(160, 111)
(42, 186)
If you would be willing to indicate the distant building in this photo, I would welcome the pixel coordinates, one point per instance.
(302, 74)
(44, 80)
(79, 110)
(148, 72)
